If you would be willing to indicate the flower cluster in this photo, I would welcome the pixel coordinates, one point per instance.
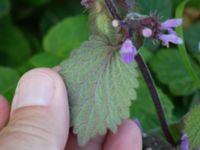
(171, 36)
(151, 28)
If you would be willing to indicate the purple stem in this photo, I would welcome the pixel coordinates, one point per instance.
(112, 9)
(154, 94)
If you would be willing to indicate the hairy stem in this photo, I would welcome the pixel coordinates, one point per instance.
(112, 9)
(154, 94)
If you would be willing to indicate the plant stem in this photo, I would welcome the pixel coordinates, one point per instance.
(182, 48)
(151, 86)
(112, 9)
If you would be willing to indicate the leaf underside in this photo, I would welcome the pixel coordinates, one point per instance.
(192, 127)
(100, 88)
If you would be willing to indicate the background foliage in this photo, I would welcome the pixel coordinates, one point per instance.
(41, 33)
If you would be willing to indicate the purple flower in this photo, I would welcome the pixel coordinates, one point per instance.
(171, 23)
(164, 32)
(173, 38)
(147, 32)
(184, 142)
(128, 51)
(171, 31)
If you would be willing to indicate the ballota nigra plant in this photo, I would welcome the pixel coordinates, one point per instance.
(101, 76)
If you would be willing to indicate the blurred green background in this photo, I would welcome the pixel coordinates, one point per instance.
(41, 33)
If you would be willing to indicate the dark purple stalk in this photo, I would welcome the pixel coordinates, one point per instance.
(154, 94)
(112, 9)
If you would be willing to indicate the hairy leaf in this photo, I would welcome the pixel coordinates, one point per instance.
(170, 70)
(101, 22)
(100, 88)
(192, 127)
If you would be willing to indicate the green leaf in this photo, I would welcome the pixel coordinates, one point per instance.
(192, 127)
(157, 6)
(44, 60)
(8, 81)
(148, 114)
(14, 49)
(4, 7)
(192, 37)
(170, 70)
(66, 35)
(100, 88)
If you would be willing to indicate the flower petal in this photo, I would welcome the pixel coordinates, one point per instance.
(184, 142)
(166, 38)
(128, 57)
(171, 23)
(128, 51)
(171, 31)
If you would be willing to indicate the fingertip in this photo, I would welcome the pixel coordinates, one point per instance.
(4, 111)
(128, 137)
(94, 144)
(41, 86)
(41, 101)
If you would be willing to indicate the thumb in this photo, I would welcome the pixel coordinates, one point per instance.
(39, 116)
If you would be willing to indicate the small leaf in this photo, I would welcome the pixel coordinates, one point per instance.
(44, 60)
(8, 81)
(169, 68)
(100, 88)
(148, 114)
(100, 22)
(192, 127)
(66, 35)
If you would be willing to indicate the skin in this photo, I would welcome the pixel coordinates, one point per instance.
(48, 127)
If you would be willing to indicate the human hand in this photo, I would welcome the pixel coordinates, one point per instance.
(39, 119)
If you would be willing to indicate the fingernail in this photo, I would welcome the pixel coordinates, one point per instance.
(34, 89)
